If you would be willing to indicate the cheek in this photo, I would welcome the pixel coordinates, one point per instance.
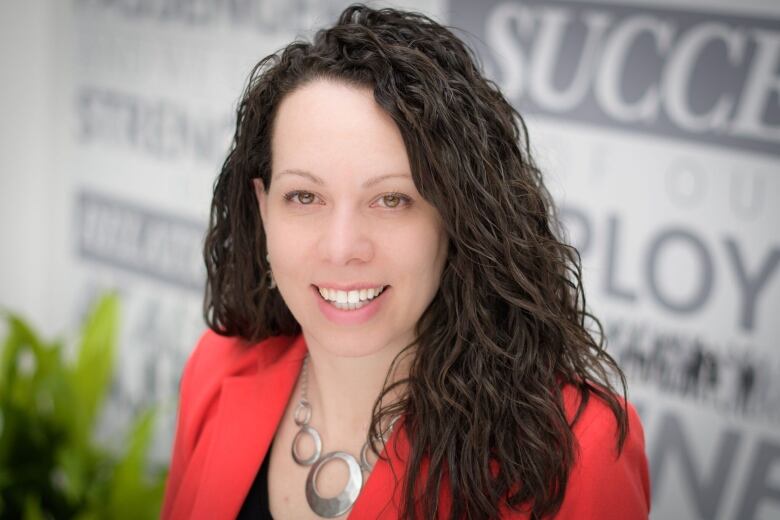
(426, 253)
(285, 243)
(290, 247)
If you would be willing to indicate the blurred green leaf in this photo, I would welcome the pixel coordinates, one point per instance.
(32, 509)
(94, 364)
(21, 349)
(132, 497)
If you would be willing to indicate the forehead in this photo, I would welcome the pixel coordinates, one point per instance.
(331, 128)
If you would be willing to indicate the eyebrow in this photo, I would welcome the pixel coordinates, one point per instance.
(367, 184)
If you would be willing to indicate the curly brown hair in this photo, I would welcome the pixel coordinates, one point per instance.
(508, 325)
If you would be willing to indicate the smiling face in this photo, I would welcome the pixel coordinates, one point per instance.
(342, 212)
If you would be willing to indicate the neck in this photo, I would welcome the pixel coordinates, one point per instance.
(342, 390)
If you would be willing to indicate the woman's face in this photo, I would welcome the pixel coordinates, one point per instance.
(342, 216)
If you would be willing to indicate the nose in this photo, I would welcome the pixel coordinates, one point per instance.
(346, 237)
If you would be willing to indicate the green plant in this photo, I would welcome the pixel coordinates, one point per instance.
(50, 464)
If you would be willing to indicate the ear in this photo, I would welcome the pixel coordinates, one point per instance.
(262, 197)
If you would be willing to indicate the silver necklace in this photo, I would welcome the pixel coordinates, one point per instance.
(341, 503)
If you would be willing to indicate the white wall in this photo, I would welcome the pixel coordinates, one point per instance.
(25, 161)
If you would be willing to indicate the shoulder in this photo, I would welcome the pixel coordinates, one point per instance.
(595, 417)
(214, 359)
(217, 357)
(605, 482)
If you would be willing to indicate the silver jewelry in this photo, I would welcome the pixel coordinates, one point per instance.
(271, 281)
(341, 503)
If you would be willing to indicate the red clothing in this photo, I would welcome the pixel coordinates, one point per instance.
(233, 397)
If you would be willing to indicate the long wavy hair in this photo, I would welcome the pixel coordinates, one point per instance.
(508, 326)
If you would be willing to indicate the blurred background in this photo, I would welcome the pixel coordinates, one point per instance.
(657, 124)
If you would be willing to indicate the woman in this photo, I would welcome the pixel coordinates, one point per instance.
(385, 290)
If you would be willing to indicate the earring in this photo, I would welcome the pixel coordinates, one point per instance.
(271, 281)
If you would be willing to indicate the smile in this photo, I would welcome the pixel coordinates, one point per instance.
(350, 300)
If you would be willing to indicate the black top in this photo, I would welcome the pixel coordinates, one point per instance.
(256, 505)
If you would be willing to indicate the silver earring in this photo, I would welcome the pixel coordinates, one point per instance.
(271, 281)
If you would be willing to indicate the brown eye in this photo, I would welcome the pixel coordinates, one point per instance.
(391, 201)
(394, 201)
(305, 197)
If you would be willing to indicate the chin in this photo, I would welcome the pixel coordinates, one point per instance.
(349, 343)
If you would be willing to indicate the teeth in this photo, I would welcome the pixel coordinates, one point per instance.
(350, 299)
(349, 306)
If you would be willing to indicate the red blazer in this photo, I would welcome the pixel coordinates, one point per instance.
(233, 397)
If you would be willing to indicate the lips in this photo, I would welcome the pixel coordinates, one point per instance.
(342, 314)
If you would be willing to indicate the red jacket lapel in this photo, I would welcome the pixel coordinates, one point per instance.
(249, 410)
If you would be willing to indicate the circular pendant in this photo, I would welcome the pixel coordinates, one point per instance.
(315, 436)
(340, 504)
